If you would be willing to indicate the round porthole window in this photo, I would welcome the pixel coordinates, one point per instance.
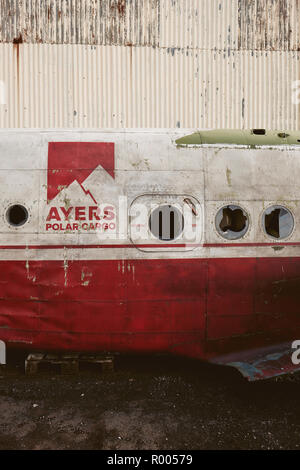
(232, 222)
(17, 215)
(278, 222)
(166, 222)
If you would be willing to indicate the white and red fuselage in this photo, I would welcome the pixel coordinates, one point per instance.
(78, 276)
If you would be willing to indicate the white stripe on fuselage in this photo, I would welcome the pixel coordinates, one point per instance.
(134, 253)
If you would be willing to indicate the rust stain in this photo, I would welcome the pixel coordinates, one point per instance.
(16, 46)
(228, 176)
(120, 6)
(18, 40)
(86, 277)
(109, 22)
(266, 25)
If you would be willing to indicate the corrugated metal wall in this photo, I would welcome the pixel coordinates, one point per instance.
(149, 63)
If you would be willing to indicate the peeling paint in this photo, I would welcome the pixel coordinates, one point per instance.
(268, 25)
(86, 277)
(67, 203)
(261, 363)
(66, 271)
(222, 58)
(228, 176)
(29, 276)
(108, 22)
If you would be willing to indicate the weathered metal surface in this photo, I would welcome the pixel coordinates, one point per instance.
(206, 24)
(69, 281)
(269, 25)
(93, 22)
(64, 86)
(261, 363)
(150, 63)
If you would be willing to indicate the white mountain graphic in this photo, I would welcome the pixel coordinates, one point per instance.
(98, 188)
(73, 195)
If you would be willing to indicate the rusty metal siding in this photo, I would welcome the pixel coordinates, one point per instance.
(149, 63)
(157, 23)
(94, 22)
(204, 24)
(269, 25)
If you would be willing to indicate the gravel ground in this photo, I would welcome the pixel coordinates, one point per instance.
(147, 403)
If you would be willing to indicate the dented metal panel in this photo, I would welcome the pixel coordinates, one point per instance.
(261, 363)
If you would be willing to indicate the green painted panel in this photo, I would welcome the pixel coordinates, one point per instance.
(253, 137)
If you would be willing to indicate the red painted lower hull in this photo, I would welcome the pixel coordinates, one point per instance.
(195, 307)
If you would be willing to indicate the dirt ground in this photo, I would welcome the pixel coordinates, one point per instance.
(147, 403)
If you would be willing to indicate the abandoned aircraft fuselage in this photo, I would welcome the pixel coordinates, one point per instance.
(130, 241)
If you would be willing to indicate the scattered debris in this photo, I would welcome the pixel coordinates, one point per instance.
(68, 363)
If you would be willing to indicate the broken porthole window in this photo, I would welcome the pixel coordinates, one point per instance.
(166, 222)
(278, 222)
(232, 222)
(17, 215)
